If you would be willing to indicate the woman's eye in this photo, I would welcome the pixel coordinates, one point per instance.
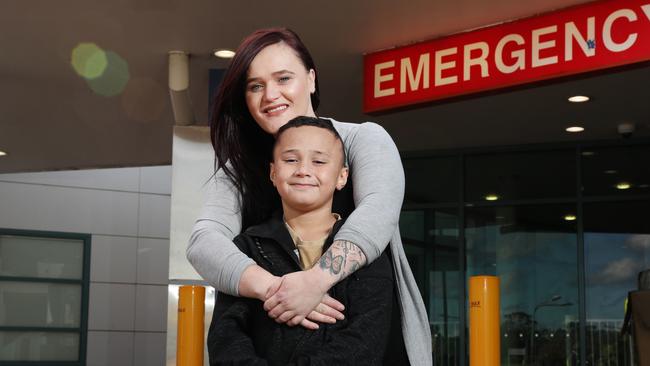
(284, 79)
(255, 87)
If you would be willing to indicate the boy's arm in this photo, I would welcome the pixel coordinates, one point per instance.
(229, 340)
(364, 339)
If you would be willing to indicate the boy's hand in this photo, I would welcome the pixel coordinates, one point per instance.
(328, 311)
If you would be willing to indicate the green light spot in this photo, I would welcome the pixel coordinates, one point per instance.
(89, 61)
(114, 78)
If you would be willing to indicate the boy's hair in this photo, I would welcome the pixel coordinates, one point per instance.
(313, 122)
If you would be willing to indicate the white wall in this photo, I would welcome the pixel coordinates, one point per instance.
(127, 211)
(192, 167)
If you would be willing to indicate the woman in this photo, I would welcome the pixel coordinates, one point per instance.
(270, 80)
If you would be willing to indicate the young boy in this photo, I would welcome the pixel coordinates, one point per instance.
(308, 167)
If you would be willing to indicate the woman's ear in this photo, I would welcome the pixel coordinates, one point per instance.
(312, 81)
(272, 174)
(342, 179)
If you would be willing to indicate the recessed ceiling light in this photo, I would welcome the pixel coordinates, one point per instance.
(611, 171)
(623, 185)
(491, 197)
(588, 153)
(578, 99)
(2, 153)
(644, 185)
(570, 217)
(224, 53)
(575, 129)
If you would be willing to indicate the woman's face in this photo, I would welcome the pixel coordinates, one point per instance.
(278, 87)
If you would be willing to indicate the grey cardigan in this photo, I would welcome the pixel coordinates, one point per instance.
(378, 189)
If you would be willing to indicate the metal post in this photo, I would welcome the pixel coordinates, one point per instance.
(484, 328)
(191, 315)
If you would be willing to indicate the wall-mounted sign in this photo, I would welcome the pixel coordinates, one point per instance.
(583, 38)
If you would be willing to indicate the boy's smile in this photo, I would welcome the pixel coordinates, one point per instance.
(307, 168)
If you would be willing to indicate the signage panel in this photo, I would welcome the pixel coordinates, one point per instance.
(583, 38)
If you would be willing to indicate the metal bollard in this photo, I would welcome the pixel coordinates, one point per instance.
(484, 328)
(191, 314)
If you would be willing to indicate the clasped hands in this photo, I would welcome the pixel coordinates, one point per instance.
(301, 298)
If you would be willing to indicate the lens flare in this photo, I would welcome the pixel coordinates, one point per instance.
(114, 79)
(89, 61)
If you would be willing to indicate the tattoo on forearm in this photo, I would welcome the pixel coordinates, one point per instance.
(342, 258)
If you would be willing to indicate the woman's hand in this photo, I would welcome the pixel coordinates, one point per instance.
(301, 298)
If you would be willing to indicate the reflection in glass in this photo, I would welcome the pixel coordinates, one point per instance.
(425, 182)
(617, 248)
(430, 240)
(521, 175)
(39, 346)
(616, 171)
(30, 304)
(22, 256)
(533, 250)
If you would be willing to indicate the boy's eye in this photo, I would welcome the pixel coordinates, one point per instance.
(290, 160)
(319, 162)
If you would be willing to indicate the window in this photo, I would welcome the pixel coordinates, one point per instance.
(43, 297)
(533, 250)
(520, 176)
(424, 183)
(430, 239)
(617, 248)
(563, 226)
(616, 171)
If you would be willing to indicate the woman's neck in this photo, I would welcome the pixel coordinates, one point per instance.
(311, 225)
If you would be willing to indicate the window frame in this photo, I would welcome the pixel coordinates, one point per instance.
(82, 330)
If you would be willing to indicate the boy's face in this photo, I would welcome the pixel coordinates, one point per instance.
(307, 167)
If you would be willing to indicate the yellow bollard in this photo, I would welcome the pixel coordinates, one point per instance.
(484, 329)
(191, 315)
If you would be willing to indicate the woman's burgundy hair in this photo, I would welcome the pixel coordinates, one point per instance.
(242, 149)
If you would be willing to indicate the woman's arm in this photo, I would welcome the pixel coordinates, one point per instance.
(211, 250)
(217, 259)
(378, 189)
